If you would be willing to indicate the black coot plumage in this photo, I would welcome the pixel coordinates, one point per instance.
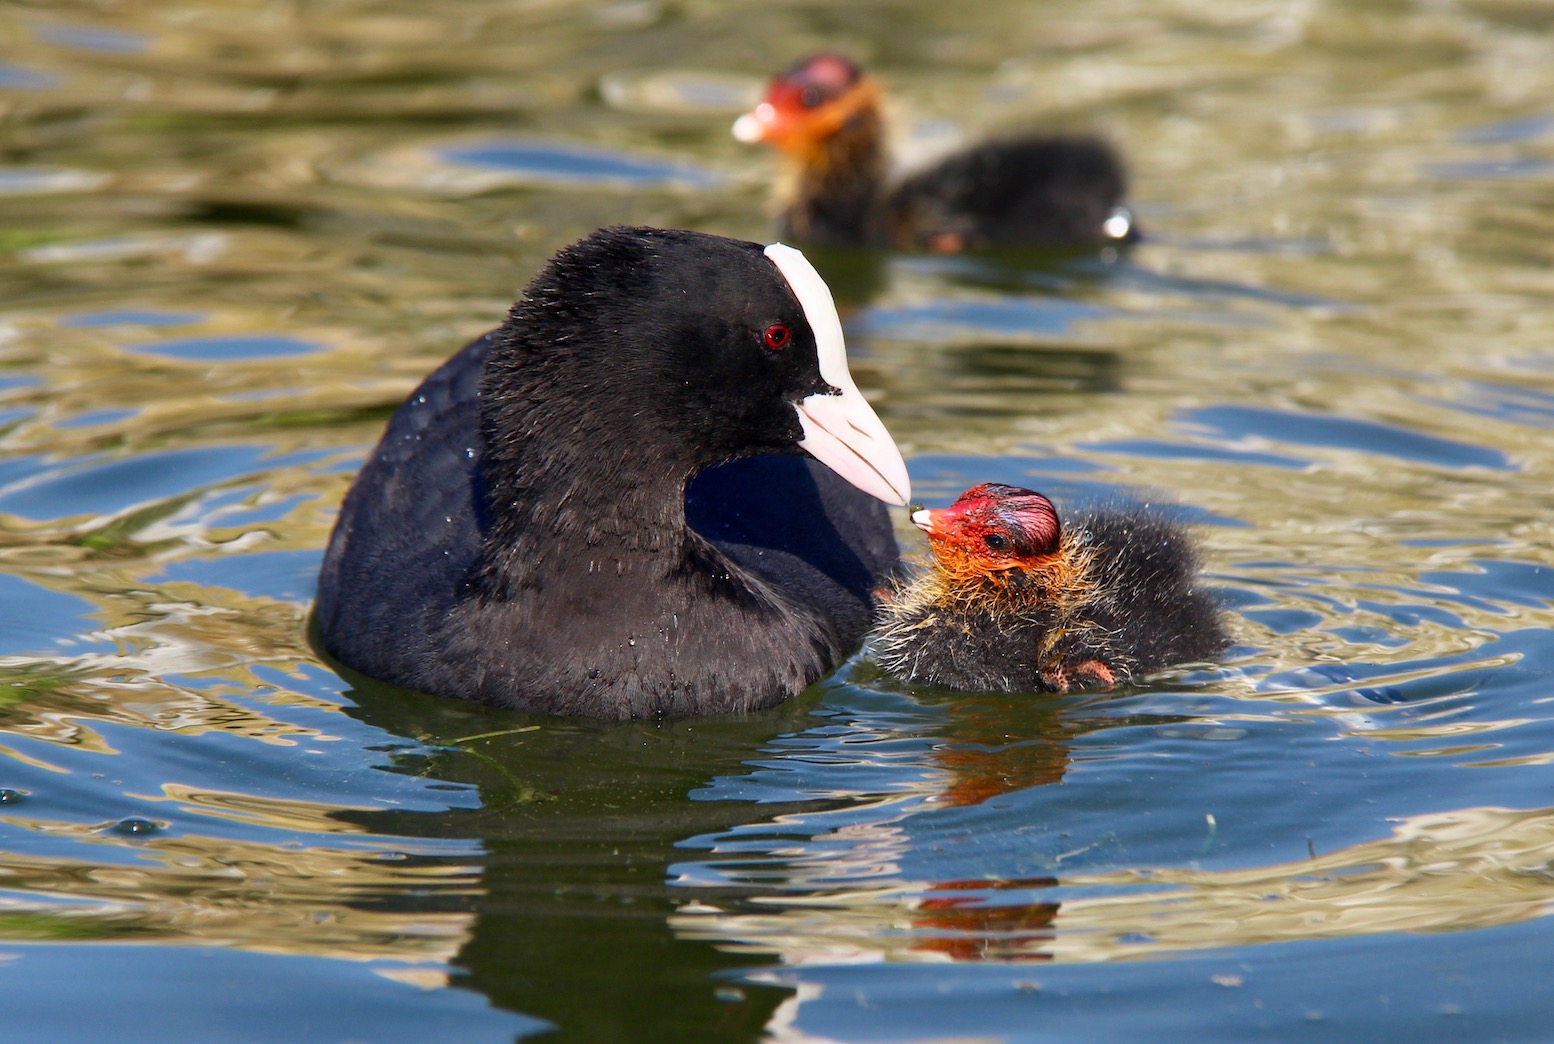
(599, 508)
(824, 116)
(1016, 601)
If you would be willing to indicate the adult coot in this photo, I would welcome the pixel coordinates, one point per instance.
(1017, 602)
(601, 509)
(824, 116)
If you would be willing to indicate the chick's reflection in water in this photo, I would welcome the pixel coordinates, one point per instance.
(989, 750)
(816, 886)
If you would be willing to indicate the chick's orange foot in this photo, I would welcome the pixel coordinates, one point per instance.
(1088, 674)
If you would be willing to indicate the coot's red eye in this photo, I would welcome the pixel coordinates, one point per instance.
(777, 335)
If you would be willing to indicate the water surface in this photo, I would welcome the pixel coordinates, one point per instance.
(235, 235)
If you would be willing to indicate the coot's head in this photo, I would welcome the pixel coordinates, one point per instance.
(990, 529)
(807, 104)
(674, 351)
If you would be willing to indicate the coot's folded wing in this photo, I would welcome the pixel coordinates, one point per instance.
(409, 529)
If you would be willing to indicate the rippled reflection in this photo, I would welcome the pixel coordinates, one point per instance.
(233, 236)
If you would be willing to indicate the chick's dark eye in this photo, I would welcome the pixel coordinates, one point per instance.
(809, 97)
(996, 541)
(778, 335)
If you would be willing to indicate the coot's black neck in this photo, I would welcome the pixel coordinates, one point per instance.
(610, 502)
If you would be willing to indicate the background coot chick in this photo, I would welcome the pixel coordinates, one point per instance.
(1017, 602)
(589, 511)
(824, 116)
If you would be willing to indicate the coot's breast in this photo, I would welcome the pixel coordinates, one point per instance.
(804, 529)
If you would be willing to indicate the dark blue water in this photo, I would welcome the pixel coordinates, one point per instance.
(234, 238)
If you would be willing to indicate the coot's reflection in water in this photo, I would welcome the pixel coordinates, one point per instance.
(578, 825)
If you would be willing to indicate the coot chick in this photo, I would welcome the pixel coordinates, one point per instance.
(824, 116)
(1017, 602)
(601, 509)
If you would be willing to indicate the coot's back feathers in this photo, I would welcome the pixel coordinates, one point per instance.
(520, 536)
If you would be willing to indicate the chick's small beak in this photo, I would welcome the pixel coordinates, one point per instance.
(754, 126)
(942, 523)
